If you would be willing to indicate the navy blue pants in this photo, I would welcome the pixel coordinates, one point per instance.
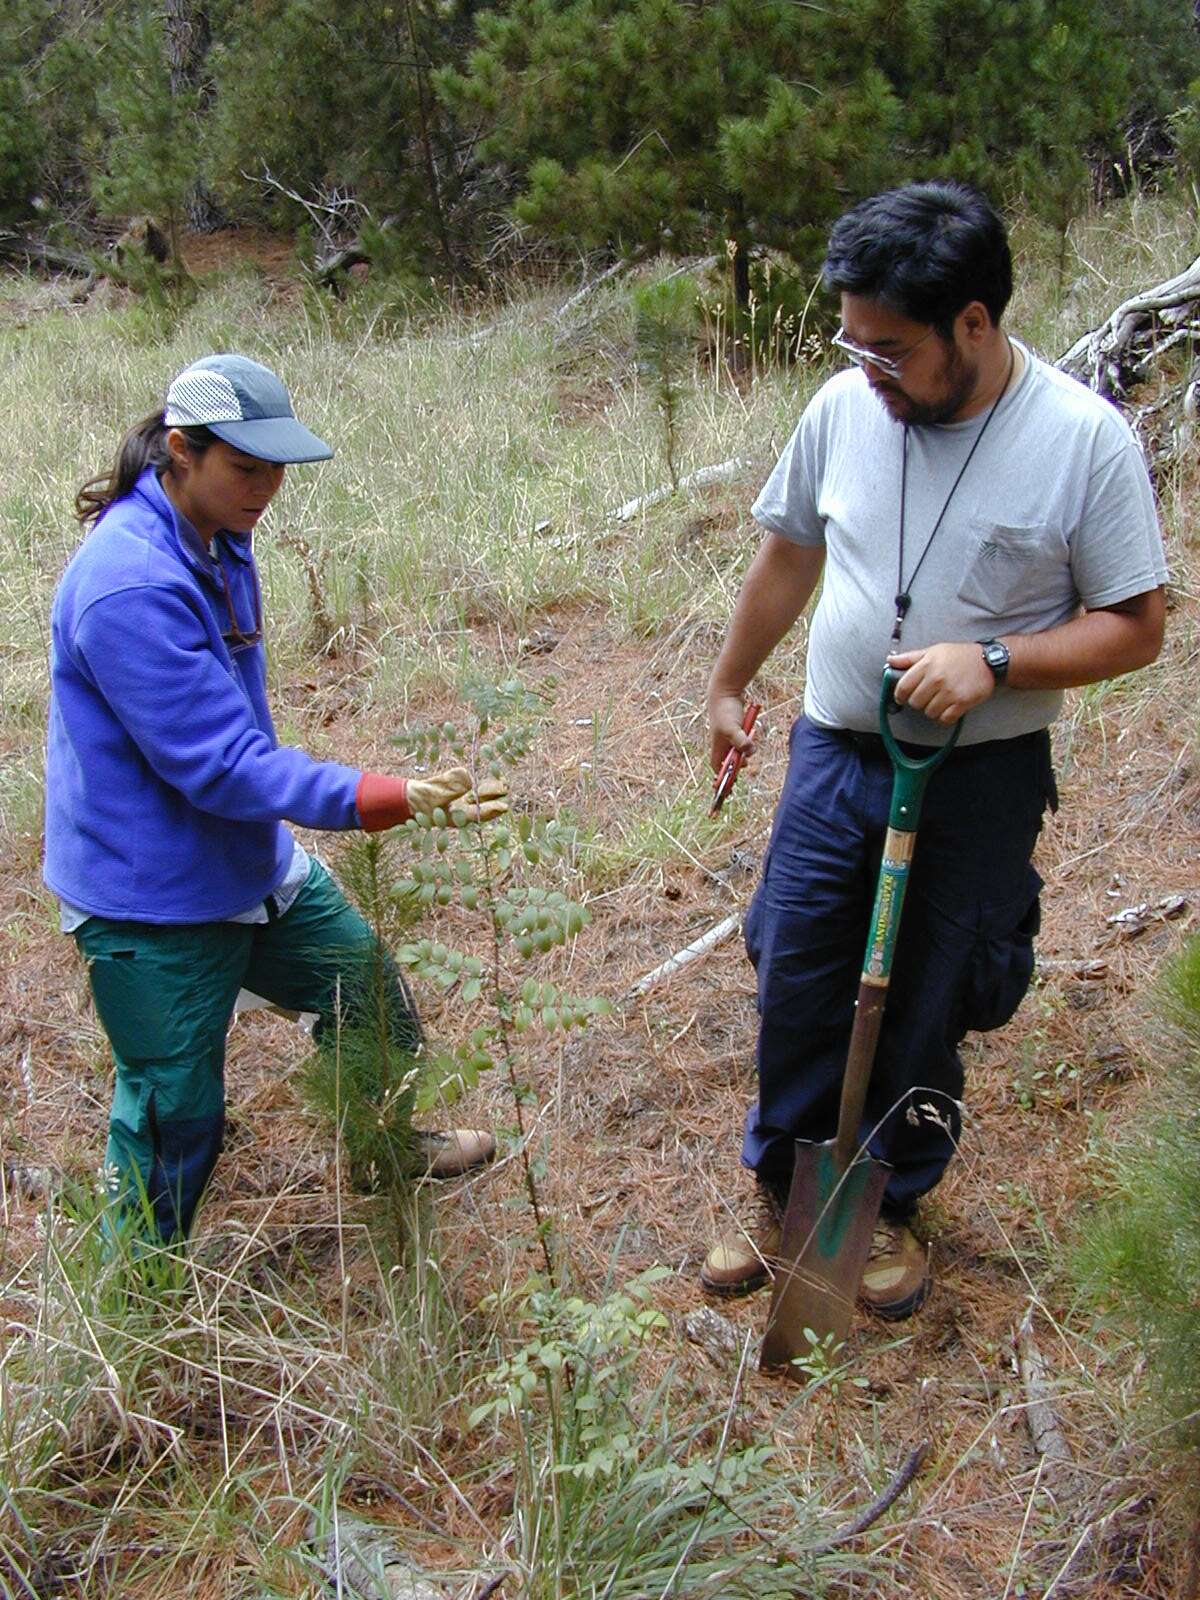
(963, 960)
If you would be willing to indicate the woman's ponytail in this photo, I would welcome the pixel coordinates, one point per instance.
(145, 445)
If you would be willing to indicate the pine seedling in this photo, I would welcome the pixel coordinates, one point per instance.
(664, 331)
(1141, 1255)
(362, 1079)
(496, 872)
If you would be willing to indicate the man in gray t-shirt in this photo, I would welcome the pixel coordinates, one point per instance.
(986, 526)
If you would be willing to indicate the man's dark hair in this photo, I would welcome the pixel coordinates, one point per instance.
(924, 250)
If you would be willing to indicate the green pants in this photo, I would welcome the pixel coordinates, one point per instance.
(165, 995)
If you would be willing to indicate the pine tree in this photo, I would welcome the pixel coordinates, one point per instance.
(337, 95)
(21, 22)
(664, 332)
(660, 124)
(150, 160)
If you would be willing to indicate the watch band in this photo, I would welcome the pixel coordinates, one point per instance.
(996, 656)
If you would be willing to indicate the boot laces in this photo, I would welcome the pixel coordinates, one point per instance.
(885, 1241)
(768, 1212)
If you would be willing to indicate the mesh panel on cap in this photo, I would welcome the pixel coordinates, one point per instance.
(199, 397)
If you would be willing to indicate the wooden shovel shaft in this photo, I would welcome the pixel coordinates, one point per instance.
(835, 1198)
(872, 990)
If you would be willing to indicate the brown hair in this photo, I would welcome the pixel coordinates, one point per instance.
(145, 445)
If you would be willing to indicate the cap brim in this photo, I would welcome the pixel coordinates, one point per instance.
(279, 439)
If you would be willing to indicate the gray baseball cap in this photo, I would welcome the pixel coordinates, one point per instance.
(246, 405)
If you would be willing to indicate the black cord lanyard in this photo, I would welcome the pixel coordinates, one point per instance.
(904, 590)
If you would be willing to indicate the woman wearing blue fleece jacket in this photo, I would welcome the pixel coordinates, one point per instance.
(167, 790)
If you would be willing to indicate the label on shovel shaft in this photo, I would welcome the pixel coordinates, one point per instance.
(889, 901)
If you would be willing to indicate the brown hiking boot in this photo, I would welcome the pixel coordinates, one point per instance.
(454, 1154)
(896, 1281)
(741, 1262)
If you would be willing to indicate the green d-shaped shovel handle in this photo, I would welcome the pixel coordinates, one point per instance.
(911, 773)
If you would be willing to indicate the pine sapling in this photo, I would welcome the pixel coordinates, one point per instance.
(664, 331)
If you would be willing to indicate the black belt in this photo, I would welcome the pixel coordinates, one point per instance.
(870, 746)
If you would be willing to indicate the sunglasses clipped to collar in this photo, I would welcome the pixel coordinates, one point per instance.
(235, 636)
(890, 366)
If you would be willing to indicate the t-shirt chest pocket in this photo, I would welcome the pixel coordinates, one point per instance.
(1011, 568)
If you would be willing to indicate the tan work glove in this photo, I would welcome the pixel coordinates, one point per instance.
(384, 802)
(452, 788)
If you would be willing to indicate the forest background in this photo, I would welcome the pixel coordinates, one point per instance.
(453, 139)
(546, 275)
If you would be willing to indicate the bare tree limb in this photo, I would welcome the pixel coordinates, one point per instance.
(722, 472)
(1117, 354)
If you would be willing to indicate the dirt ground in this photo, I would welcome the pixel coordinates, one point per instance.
(641, 1115)
(273, 254)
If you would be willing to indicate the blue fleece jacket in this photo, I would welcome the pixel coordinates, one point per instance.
(165, 784)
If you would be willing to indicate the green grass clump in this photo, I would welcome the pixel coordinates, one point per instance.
(172, 1420)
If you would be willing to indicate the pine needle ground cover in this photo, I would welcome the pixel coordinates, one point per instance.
(212, 1432)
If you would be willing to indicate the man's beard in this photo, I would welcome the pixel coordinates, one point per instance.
(961, 381)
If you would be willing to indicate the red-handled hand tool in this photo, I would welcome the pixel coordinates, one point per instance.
(733, 763)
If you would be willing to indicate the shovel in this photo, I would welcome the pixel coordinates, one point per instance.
(837, 1188)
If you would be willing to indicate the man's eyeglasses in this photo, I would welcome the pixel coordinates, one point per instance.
(234, 636)
(890, 366)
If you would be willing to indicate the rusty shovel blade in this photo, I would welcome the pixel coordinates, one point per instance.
(826, 1239)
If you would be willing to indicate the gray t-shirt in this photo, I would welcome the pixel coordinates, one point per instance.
(1055, 511)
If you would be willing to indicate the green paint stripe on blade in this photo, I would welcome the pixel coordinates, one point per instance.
(840, 1199)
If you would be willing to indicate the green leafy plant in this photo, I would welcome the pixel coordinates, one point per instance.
(822, 1364)
(493, 872)
(613, 1493)
(578, 1363)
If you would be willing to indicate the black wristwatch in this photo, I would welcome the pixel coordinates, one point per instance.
(997, 657)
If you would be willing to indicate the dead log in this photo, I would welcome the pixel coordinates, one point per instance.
(39, 253)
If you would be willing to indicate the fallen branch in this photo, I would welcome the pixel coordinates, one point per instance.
(588, 289)
(698, 947)
(337, 216)
(486, 1590)
(1136, 919)
(37, 252)
(912, 1464)
(1077, 966)
(1048, 1437)
(721, 473)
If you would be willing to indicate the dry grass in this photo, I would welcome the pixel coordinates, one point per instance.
(196, 1443)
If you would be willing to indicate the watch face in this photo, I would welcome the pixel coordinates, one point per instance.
(996, 656)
